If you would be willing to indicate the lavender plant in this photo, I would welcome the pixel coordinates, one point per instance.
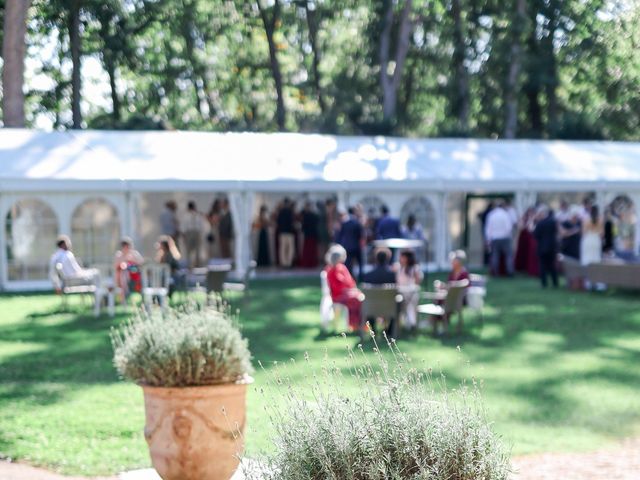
(398, 424)
(183, 347)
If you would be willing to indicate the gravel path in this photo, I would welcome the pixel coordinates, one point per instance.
(615, 463)
(19, 471)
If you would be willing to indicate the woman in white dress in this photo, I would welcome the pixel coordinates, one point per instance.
(591, 243)
(408, 278)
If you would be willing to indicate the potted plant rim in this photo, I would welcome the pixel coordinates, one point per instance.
(194, 367)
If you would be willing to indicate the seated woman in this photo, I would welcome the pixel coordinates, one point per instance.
(408, 278)
(167, 252)
(127, 262)
(342, 285)
(458, 271)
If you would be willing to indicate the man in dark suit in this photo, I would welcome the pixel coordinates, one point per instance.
(388, 227)
(546, 235)
(381, 273)
(350, 237)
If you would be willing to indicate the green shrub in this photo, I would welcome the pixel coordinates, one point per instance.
(185, 347)
(399, 424)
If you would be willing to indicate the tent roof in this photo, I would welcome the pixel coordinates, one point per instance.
(155, 156)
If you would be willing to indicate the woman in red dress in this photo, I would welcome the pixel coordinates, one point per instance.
(309, 225)
(458, 271)
(342, 285)
(526, 259)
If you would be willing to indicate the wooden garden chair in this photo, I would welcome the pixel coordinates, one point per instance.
(381, 301)
(452, 303)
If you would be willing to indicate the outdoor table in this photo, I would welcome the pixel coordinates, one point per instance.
(395, 244)
(438, 295)
(220, 263)
(399, 243)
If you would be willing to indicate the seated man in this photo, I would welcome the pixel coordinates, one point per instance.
(381, 274)
(71, 269)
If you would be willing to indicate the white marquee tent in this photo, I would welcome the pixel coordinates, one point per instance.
(59, 172)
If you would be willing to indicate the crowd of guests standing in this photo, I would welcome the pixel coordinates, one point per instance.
(580, 232)
(198, 231)
(292, 235)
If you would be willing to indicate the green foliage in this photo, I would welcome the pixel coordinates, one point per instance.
(184, 347)
(397, 424)
(205, 65)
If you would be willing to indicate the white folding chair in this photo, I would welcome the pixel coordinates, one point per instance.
(108, 289)
(78, 285)
(155, 284)
(329, 311)
(476, 293)
(243, 284)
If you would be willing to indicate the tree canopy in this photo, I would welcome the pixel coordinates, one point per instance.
(482, 68)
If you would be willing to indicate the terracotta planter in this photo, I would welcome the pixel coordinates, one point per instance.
(196, 433)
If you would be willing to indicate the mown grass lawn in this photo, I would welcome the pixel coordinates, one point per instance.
(559, 371)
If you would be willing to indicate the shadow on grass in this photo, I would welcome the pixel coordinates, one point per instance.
(62, 347)
(524, 327)
(275, 321)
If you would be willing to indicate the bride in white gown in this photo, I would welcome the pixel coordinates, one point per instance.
(591, 243)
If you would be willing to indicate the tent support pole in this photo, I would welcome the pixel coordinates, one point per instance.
(241, 204)
(4, 273)
(442, 228)
(635, 198)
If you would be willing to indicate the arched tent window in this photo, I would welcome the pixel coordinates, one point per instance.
(624, 217)
(31, 230)
(421, 208)
(95, 231)
(370, 204)
(424, 213)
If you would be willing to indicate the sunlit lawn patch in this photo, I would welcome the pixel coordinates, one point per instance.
(558, 368)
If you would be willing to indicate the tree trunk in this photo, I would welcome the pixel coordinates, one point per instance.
(270, 28)
(551, 81)
(187, 29)
(390, 81)
(109, 62)
(76, 73)
(408, 89)
(312, 25)
(13, 53)
(462, 100)
(110, 67)
(513, 75)
(208, 95)
(535, 110)
(532, 87)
